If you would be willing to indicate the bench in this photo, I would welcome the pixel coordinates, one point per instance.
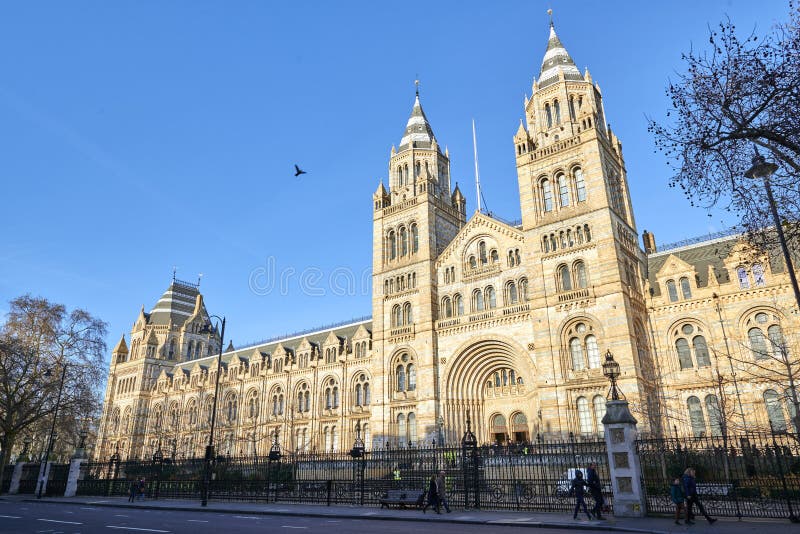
(402, 498)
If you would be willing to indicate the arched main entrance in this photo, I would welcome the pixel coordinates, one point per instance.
(491, 381)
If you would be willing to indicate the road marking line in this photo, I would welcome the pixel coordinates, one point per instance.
(85, 508)
(135, 528)
(11, 516)
(291, 526)
(120, 515)
(245, 517)
(197, 521)
(57, 521)
(95, 502)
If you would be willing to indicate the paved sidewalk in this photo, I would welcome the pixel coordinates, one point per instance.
(530, 519)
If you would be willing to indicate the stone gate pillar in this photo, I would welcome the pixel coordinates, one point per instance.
(16, 476)
(623, 460)
(72, 477)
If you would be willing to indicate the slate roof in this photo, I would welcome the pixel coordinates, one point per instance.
(175, 305)
(418, 129)
(289, 343)
(557, 59)
(702, 254)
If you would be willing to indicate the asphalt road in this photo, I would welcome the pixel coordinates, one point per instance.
(47, 518)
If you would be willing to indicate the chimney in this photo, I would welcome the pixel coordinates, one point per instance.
(649, 241)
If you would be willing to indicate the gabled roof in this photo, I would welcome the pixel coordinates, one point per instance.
(557, 59)
(418, 130)
(121, 347)
(479, 220)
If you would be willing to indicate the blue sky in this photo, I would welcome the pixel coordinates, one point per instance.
(138, 136)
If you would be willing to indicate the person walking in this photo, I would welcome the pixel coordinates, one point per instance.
(142, 486)
(433, 496)
(396, 476)
(134, 487)
(690, 490)
(596, 490)
(441, 490)
(678, 497)
(578, 489)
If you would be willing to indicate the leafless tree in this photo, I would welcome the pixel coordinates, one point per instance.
(39, 343)
(741, 93)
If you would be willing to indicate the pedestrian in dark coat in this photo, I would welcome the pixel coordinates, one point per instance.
(142, 486)
(596, 489)
(578, 489)
(433, 496)
(690, 490)
(132, 490)
(678, 497)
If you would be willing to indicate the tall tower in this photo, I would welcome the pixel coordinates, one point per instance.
(412, 223)
(581, 246)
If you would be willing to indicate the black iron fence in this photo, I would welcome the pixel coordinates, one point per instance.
(29, 478)
(533, 476)
(8, 472)
(753, 475)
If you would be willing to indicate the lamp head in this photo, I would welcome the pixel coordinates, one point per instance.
(610, 367)
(761, 168)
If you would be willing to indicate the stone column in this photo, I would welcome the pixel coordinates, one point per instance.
(74, 474)
(623, 461)
(16, 477)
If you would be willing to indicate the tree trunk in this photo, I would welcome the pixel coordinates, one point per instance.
(7, 443)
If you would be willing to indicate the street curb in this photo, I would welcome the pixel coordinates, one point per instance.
(496, 522)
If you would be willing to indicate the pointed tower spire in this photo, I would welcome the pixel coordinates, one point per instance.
(418, 130)
(556, 60)
(121, 347)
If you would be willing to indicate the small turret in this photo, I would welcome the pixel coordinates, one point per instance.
(120, 352)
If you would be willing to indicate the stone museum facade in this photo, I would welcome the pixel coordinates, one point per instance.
(472, 316)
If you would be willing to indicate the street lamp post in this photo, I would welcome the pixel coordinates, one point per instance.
(357, 453)
(612, 372)
(43, 465)
(210, 447)
(763, 169)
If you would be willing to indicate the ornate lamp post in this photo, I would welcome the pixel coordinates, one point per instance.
(43, 465)
(763, 169)
(357, 452)
(158, 462)
(210, 447)
(612, 372)
(441, 431)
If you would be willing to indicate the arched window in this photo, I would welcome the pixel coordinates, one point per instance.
(412, 428)
(482, 252)
(557, 111)
(587, 232)
(401, 428)
(458, 304)
(392, 245)
(701, 351)
(576, 352)
(545, 248)
(599, 411)
(563, 190)
(580, 184)
(171, 353)
(696, 419)
(592, 352)
(547, 195)
(744, 280)
(565, 279)
(714, 415)
(579, 235)
(403, 241)
(777, 342)
(190, 351)
(414, 238)
(473, 263)
(584, 416)
(417, 169)
(672, 290)
(400, 377)
(548, 115)
(777, 421)
(494, 256)
(511, 293)
(397, 315)
(684, 353)
(572, 107)
(477, 300)
(686, 289)
(328, 398)
(367, 396)
(523, 289)
(491, 298)
(447, 307)
(411, 373)
(580, 275)
(758, 344)
(758, 275)
(407, 318)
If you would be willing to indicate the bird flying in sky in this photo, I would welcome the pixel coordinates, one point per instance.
(298, 171)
